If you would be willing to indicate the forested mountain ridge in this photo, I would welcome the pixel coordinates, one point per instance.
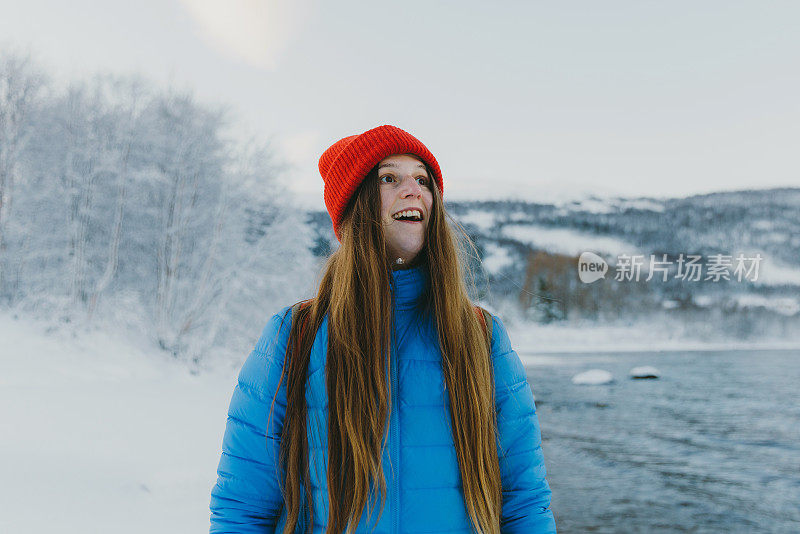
(530, 251)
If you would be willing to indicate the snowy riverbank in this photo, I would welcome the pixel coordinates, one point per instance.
(534, 341)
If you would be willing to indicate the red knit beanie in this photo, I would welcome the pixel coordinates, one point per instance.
(345, 164)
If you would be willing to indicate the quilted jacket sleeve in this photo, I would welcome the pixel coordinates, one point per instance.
(526, 493)
(247, 496)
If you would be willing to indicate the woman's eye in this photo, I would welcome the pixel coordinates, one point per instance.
(424, 182)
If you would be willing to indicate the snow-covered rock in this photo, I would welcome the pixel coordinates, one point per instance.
(644, 371)
(593, 376)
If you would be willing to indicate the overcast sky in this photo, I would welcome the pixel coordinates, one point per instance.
(515, 99)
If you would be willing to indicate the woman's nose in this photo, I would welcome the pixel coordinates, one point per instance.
(411, 186)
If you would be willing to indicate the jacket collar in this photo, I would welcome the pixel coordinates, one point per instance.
(409, 286)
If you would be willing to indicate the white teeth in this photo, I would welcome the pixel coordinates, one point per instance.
(408, 213)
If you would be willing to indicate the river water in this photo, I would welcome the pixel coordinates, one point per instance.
(713, 445)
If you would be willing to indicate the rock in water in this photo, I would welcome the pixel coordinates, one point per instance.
(644, 372)
(593, 376)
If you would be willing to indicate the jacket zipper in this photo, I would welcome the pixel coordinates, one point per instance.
(395, 436)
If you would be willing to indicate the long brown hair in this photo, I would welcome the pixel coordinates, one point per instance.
(355, 293)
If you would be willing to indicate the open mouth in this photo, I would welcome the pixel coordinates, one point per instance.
(411, 216)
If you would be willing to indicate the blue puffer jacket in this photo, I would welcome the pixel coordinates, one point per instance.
(425, 495)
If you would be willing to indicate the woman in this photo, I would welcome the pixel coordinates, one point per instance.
(384, 382)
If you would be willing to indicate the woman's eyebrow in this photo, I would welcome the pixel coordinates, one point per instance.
(382, 165)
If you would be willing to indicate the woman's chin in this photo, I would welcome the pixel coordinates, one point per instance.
(407, 253)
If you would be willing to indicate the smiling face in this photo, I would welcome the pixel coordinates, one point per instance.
(405, 187)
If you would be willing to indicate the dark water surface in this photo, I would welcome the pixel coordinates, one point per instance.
(713, 445)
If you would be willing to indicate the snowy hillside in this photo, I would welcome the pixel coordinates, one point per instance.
(765, 221)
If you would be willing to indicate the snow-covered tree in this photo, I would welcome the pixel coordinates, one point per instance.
(139, 203)
(21, 84)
